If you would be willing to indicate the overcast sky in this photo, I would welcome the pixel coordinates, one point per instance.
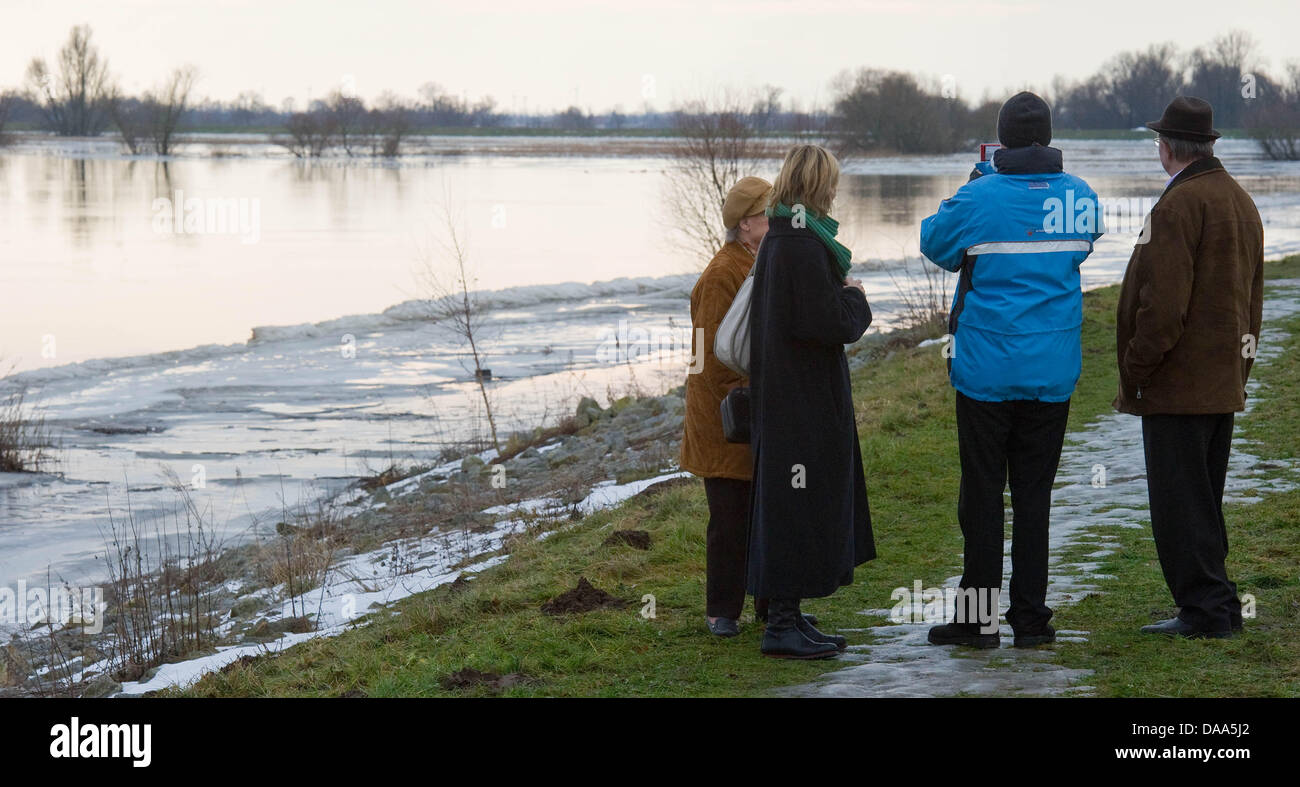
(549, 54)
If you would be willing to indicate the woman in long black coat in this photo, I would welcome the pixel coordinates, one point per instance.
(811, 524)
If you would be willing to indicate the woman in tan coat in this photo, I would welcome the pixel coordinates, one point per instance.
(725, 467)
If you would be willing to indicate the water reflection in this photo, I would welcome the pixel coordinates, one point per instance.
(345, 237)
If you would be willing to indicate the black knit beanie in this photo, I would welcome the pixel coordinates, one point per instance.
(1024, 120)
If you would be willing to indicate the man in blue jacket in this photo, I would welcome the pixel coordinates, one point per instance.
(1017, 234)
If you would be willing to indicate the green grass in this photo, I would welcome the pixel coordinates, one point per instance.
(907, 427)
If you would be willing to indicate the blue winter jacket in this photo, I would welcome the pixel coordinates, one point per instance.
(1018, 235)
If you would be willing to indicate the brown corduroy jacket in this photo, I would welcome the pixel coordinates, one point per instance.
(1192, 301)
(705, 452)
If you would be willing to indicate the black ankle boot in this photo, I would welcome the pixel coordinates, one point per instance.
(760, 613)
(783, 638)
(810, 631)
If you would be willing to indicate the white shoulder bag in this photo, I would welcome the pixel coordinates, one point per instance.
(731, 343)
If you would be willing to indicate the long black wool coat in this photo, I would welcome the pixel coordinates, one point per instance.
(810, 521)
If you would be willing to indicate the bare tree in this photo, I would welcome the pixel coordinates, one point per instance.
(1275, 120)
(387, 124)
(151, 121)
(1141, 83)
(1216, 74)
(349, 113)
(453, 302)
(719, 145)
(8, 100)
(766, 108)
(167, 105)
(76, 100)
(309, 133)
(131, 117)
(896, 111)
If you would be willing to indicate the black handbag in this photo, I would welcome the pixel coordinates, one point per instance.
(735, 415)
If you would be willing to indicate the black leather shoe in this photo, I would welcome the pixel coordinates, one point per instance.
(954, 634)
(1177, 627)
(810, 631)
(792, 643)
(724, 627)
(1035, 638)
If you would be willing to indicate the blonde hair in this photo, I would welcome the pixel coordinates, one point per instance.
(808, 177)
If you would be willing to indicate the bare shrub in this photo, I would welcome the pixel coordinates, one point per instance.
(25, 442)
(310, 134)
(161, 587)
(719, 146)
(922, 289)
(301, 555)
(452, 301)
(387, 125)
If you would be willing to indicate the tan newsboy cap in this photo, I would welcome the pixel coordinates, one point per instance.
(747, 198)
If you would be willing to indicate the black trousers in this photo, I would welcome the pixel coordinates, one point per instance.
(727, 542)
(1187, 464)
(1020, 441)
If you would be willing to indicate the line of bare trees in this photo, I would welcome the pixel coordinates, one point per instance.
(77, 96)
(343, 122)
(1134, 87)
(872, 109)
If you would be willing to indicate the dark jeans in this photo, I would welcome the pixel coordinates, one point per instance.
(1019, 440)
(727, 541)
(1187, 464)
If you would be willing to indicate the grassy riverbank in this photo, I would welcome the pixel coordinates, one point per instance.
(905, 419)
(1264, 550)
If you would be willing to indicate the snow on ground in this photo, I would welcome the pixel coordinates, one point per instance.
(397, 570)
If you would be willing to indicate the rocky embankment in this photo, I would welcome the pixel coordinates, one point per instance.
(403, 532)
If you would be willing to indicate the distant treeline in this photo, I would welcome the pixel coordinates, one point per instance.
(871, 109)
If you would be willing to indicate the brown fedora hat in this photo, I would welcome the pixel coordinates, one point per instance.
(1187, 117)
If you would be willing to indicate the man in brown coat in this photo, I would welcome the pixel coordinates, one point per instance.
(726, 467)
(1188, 325)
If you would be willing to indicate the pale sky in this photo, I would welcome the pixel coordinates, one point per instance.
(549, 54)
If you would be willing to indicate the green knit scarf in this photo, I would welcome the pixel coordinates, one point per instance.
(825, 228)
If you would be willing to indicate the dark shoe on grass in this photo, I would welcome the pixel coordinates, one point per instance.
(956, 634)
(1032, 639)
(792, 643)
(1177, 627)
(724, 627)
(810, 631)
